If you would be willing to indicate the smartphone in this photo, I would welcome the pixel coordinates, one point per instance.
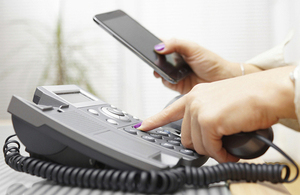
(139, 40)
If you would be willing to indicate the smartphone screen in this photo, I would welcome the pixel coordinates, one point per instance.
(171, 67)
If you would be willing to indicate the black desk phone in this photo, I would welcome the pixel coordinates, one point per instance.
(76, 139)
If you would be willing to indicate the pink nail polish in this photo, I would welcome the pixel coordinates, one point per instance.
(159, 47)
(137, 125)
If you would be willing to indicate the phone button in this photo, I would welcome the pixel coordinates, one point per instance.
(162, 132)
(156, 136)
(132, 131)
(173, 142)
(177, 139)
(187, 152)
(124, 118)
(148, 138)
(93, 111)
(105, 110)
(112, 121)
(167, 145)
(116, 111)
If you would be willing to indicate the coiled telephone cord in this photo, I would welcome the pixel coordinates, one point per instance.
(160, 182)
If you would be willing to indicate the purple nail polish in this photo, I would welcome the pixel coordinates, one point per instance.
(137, 125)
(159, 47)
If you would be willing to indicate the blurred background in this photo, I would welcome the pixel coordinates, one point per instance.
(57, 42)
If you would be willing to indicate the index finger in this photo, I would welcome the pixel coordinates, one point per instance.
(172, 113)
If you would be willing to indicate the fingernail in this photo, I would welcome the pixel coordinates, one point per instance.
(159, 47)
(137, 125)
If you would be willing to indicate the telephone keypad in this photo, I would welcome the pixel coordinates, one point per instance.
(161, 137)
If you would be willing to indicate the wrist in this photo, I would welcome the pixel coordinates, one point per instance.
(234, 69)
(284, 98)
(295, 74)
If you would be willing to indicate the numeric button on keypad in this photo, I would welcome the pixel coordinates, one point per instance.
(174, 142)
(155, 136)
(161, 132)
(131, 131)
(167, 145)
(177, 139)
(187, 152)
(148, 138)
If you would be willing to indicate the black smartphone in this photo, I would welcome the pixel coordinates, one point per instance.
(138, 39)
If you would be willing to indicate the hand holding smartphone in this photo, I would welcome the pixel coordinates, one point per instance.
(139, 40)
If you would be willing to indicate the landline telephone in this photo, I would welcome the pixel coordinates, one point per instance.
(75, 138)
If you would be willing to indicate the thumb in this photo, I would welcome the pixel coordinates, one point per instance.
(172, 113)
(182, 47)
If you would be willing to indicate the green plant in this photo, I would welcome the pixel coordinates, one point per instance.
(68, 69)
(62, 65)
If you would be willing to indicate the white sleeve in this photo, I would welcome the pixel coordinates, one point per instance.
(272, 58)
(275, 58)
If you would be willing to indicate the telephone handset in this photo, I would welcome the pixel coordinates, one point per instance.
(76, 139)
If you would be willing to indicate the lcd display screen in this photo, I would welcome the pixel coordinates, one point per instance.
(75, 97)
